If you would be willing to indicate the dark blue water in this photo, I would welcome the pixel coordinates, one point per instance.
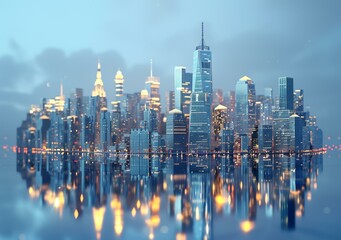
(63, 197)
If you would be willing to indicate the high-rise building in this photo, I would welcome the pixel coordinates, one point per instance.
(152, 86)
(170, 101)
(139, 152)
(176, 132)
(116, 122)
(281, 132)
(266, 108)
(286, 91)
(76, 98)
(227, 140)
(98, 86)
(73, 134)
(119, 81)
(150, 120)
(245, 106)
(105, 125)
(139, 141)
(231, 109)
(265, 138)
(201, 100)
(296, 129)
(219, 123)
(182, 90)
(298, 101)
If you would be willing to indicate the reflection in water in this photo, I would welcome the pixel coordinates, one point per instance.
(171, 201)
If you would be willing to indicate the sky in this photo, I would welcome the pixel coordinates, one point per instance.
(44, 43)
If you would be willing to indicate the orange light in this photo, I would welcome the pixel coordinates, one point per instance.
(247, 226)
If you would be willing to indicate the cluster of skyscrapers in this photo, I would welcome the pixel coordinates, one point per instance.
(198, 119)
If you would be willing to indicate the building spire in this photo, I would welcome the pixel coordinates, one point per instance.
(202, 36)
(151, 67)
(61, 89)
(98, 65)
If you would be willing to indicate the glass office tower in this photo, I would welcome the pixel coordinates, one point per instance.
(201, 99)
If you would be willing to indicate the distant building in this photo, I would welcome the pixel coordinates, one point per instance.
(182, 90)
(265, 138)
(219, 123)
(245, 106)
(139, 141)
(227, 141)
(170, 101)
(119, 86)
(139, 150)
(286, 91)
(176, 132)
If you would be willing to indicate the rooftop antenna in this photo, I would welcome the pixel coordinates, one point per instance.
(61, 88)
(98, 64)
(202, 36)
(151, 67)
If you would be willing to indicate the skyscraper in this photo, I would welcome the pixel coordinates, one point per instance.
(201, 99)
(170, 101)
(219, 123)
(119, 81)
(176, 138)
(286, 91)
(105, 125)
(298, 101)
(182, 90)
(98, 86)
(245, 106)
(153, 86)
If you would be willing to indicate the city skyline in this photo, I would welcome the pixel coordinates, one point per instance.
(249, 46)
(170, 119)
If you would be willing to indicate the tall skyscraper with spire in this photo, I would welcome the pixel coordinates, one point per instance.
(153, 87)
(97, 102)
(201, 99)
(98, 86)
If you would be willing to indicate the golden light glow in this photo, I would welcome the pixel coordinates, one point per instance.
(133, 212)
(81, 198)
(154, 221)
(164, 185)
(309, 196)
(144, 209)
(180, 236)
(33, 193)
(298, 213)
(98, 216)
(197, 214)
(266, 198)
(247, 226)
(116, 206)
(155, 204)
(241, 185)
(151, 235)
(258, 196)
(75, 214)
(138, 204)
(179, 216)
(220, 200)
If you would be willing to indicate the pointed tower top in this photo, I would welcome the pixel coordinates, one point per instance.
(98, 65)
(151, 67)
(202, 45)
(61, 89)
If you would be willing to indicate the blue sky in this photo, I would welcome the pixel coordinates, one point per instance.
(52, 41)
